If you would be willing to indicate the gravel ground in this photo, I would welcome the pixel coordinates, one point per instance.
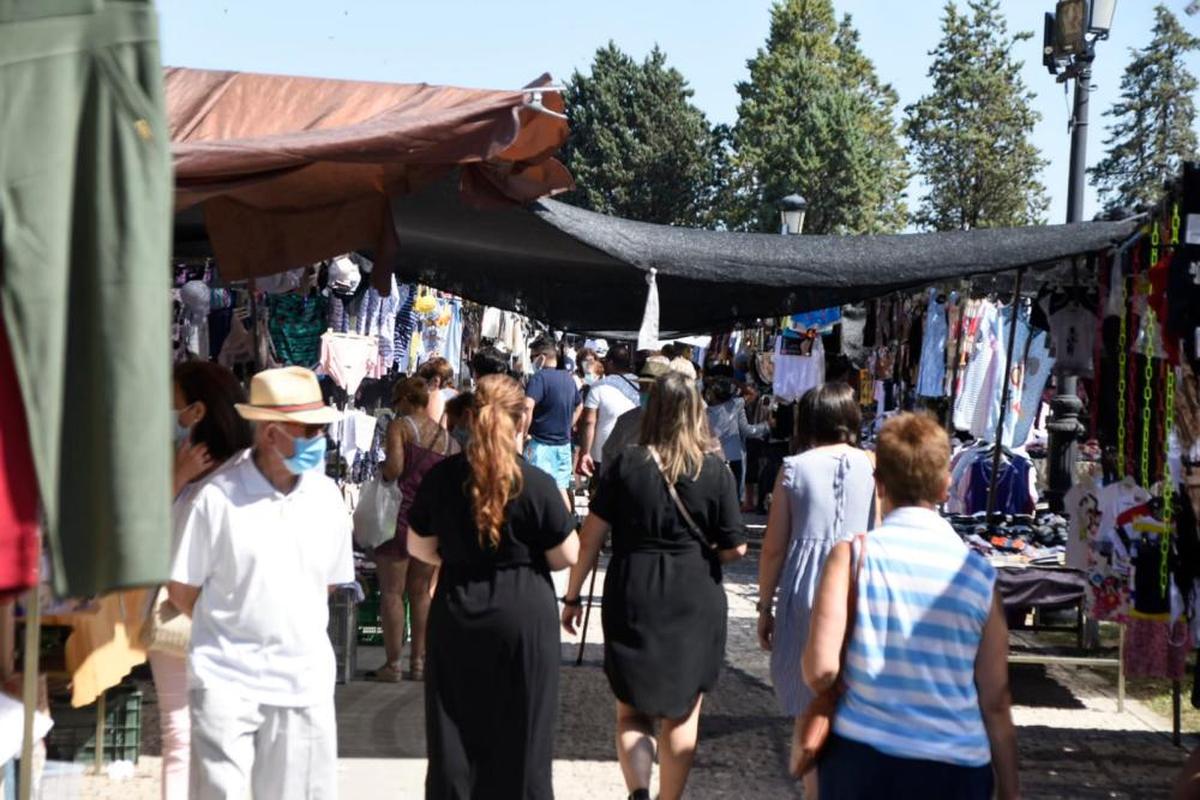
(1073, 743)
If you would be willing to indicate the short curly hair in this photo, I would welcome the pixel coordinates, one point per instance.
(912, 459)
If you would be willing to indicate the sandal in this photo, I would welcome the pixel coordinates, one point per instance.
(417, 672)
(385, 674)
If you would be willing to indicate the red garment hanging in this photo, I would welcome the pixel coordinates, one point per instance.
(19, 535)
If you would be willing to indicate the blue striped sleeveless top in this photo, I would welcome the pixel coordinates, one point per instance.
(923, 598)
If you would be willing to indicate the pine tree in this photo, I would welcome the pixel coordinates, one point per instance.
(1152, 124)
(814, 118)
(638, 147)
(970, 136)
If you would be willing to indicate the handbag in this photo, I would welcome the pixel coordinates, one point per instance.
(166, 629)
(813, 727)
(376, 512)
(706, 547)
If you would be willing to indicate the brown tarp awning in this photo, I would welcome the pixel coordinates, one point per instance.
(291, 170)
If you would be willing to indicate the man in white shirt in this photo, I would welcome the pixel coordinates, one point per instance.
(607, 400)
(264, 541)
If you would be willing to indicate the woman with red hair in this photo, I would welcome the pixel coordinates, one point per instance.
(497, 526)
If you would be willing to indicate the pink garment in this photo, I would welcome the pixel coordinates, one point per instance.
(171, 684)
(348, 358)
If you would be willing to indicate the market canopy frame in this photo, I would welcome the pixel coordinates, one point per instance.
(285, 171)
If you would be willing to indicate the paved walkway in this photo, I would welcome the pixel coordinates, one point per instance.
(1073, 743)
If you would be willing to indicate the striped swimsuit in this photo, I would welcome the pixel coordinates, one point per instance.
(910, 669)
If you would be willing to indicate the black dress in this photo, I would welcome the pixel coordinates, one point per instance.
(664, 609)
(491, 677)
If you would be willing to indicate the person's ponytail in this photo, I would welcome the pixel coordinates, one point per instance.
(491, 453)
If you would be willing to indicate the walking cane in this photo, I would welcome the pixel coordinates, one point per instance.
(587, 611)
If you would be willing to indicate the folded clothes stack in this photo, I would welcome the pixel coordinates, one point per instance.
(1033, 537)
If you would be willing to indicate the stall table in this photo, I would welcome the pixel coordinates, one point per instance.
(1045, 588)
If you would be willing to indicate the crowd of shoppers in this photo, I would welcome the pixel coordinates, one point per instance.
(262, 536)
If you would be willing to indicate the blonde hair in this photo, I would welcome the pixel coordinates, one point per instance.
(675, 424)
(912, 459)
(492, 454)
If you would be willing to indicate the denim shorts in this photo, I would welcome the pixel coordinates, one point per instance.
(553, 459)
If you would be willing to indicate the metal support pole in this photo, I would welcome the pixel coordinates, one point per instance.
(1121, 670)
(1177, 714)
(1079, 132)
(1005, 396)
(1064, 427)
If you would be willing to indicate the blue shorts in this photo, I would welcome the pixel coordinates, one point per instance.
(553, 459)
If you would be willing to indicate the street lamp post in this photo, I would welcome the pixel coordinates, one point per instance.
(1071, 34)
(792, 210)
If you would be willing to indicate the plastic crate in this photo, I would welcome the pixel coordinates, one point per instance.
(343, 632)
(73, 737)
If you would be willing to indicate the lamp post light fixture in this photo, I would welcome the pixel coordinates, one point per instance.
(1102, 17)
(1072, 31)
(791, 214)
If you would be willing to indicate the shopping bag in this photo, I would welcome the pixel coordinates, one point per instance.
(375, 516)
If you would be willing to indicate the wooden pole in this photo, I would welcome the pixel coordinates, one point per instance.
(101, 713)
(29, 688)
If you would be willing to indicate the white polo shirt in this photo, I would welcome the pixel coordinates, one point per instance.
(263, 561)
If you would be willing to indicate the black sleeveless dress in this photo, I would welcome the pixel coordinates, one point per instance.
(664, 611)
(491, 674)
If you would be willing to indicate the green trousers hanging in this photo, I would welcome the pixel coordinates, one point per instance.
(85, 227)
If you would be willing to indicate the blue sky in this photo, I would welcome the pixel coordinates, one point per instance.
(506, 43)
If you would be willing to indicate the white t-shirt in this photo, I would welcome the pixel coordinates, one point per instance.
(610, 398)
(1082, 506)
(264, 561)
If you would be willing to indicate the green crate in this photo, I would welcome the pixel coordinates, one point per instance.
(73, 737)
(370, 621)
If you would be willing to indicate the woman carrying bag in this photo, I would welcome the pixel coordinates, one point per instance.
(672, 507)
(922, 666)
(416, 442)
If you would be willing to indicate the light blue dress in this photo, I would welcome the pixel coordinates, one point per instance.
(829, 495)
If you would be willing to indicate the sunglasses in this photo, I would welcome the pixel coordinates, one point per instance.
(306, 431)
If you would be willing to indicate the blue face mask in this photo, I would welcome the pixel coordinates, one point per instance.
(590, 378)
(308, 454)
(462, 435)
(182, 433)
